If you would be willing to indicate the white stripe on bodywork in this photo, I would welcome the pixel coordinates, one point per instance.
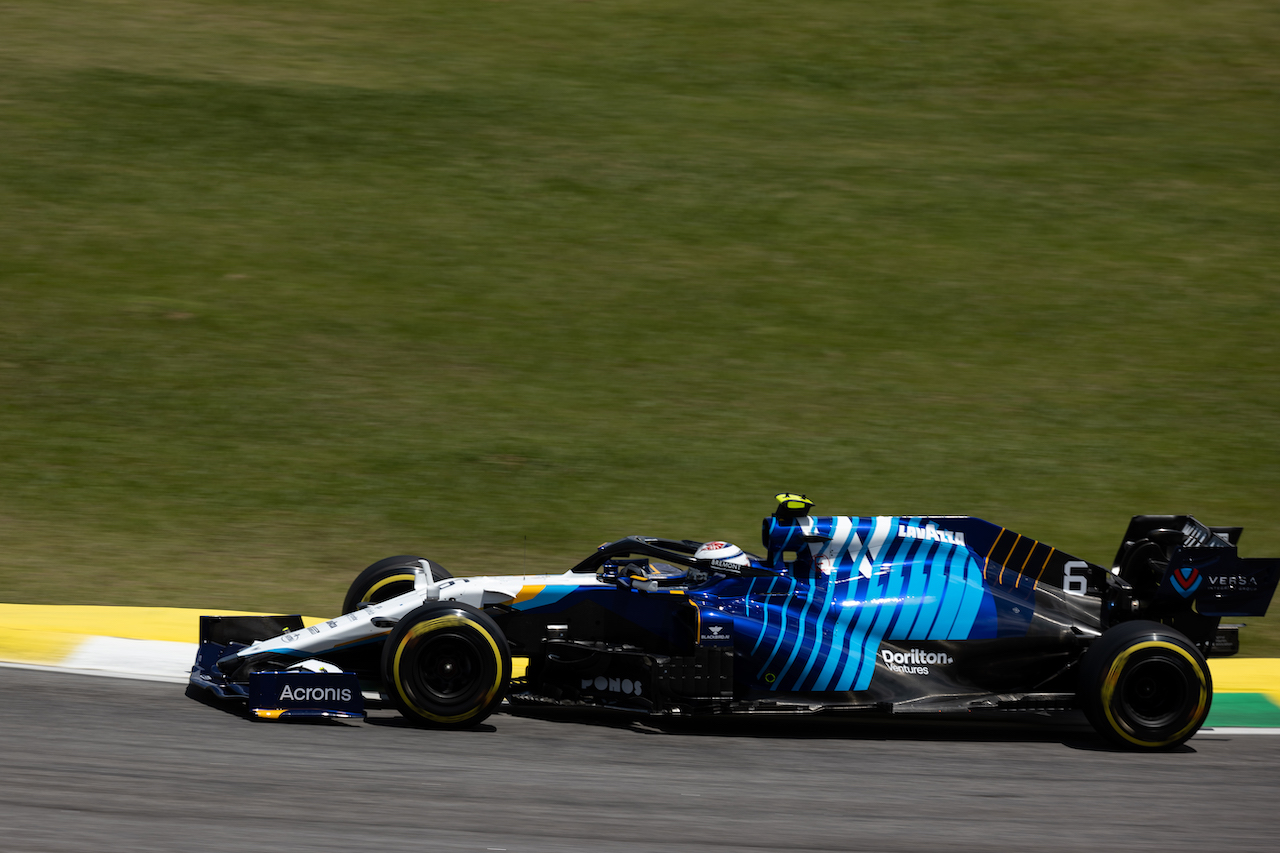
(882, 528)
(844, 537)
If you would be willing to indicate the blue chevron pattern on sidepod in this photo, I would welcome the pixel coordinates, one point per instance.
(870, 583)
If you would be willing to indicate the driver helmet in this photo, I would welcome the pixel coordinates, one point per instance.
(722, 551)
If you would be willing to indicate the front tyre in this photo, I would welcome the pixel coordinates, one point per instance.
(1145, 686)
(446, 665)
(386, 579)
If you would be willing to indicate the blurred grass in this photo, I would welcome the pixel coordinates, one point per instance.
(289, 287)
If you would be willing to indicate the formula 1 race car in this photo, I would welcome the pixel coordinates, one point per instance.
(844, 613)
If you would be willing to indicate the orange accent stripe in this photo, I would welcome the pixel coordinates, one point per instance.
(1034, 546)
(528, 592)
(987, 563)
(1000, 579)
(1046, 562)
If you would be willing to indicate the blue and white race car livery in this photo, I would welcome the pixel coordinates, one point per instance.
(895, 614)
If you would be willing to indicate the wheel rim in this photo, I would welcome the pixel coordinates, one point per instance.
(447, 670)
(1154, 692)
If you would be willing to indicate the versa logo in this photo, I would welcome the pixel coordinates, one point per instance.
(1234, 582)
(1186, 581)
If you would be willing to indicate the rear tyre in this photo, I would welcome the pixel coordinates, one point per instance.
(1145, 686)
(446, 665)
(387, 579)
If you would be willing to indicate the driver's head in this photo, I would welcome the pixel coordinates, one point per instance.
(722, 551)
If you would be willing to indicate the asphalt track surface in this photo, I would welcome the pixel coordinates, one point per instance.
(102, 764)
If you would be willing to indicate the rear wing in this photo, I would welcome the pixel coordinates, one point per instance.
(1204, 566)
(1220, 581)
(1171, 530)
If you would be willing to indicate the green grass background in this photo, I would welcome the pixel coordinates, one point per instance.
(286, 287)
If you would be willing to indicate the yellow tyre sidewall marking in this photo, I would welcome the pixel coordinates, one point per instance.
(368, 595)
(1113, 679)
(449, 621)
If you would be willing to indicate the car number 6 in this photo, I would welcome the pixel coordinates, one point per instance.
(1075, 584)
